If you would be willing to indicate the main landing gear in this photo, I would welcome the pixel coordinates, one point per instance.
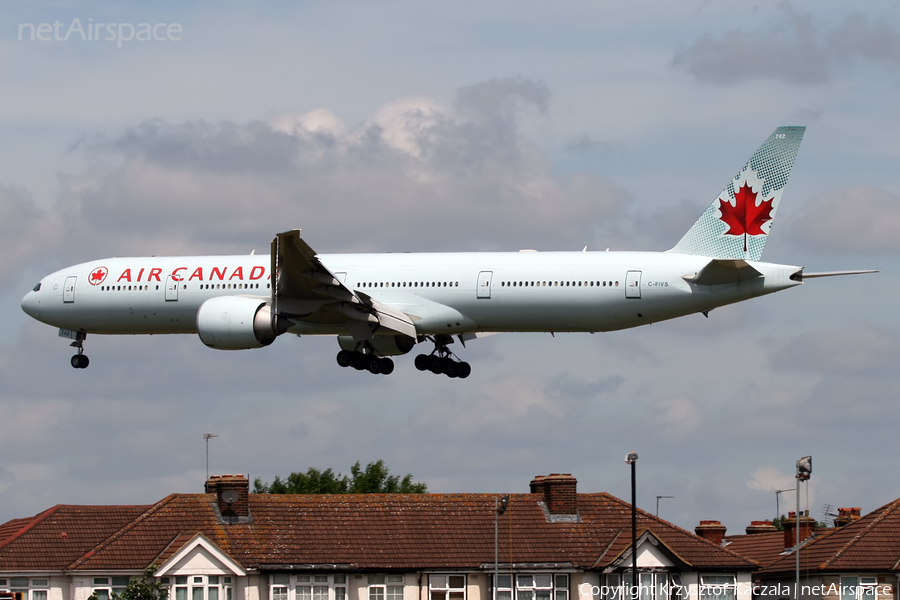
(365, 361)
(442, 360)
(80, 360)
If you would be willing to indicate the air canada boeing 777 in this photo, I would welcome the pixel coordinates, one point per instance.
(383, 305)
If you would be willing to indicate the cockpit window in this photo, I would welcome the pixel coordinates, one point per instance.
(37, 288)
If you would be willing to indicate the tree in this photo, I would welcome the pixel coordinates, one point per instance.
(147, 587)
(375, 479)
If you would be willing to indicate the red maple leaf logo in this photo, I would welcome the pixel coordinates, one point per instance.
(98, 275)
(745, 217)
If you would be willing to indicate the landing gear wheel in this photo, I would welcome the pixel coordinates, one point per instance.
(373, 364)
(344, 358)
(358, 361)
(451, 368)
(442, 360)
(80, 360)
(387, 366)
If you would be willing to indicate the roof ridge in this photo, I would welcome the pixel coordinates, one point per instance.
(32, 521)
(885, 511)
(121, 531)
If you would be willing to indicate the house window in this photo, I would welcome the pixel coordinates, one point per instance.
(534, 586)
(202, 587)
(105, 587)
(447, 587)
(717, 587)
(858, 588)
(306, 587)
(504, 587)
(611, 587)
(385, 587)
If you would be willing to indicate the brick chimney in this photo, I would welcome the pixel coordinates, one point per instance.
(760, 527)
(232, 496)
(807, 527)
(559, 491)
(713, 531)
(847, 516)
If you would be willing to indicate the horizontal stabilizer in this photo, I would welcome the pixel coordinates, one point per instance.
(804, 275)
(721, 271)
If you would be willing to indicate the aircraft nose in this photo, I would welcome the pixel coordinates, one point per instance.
(31, 304)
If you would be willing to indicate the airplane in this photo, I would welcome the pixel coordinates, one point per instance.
(383, 305)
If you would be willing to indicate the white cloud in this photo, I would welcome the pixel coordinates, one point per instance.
(769, 479)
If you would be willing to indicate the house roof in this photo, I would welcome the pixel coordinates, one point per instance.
(54, 538)
(373, 531)
(764, 548)
(870, 544)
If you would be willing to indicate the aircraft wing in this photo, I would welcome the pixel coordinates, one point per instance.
(305, 290)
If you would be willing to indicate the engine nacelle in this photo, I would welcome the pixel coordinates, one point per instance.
(236, 323)
(384, 345)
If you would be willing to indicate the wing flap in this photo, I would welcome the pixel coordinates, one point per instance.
(305, 289)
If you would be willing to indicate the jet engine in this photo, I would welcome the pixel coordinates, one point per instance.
(384, 345)
(237, 323)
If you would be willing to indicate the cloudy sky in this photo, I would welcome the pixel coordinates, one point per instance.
(409, 126)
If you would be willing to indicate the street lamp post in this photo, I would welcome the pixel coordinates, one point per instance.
(804, 470)
(499, 508)
(631, 459)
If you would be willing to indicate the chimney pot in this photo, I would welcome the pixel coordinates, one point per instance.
(713, 531)
(232, 496)
(847, 516)
(807, 528)
(559, 491)
(760, 527)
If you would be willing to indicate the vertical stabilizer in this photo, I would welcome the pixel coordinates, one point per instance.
(736, 225)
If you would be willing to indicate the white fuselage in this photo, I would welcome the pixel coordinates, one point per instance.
(448, 293)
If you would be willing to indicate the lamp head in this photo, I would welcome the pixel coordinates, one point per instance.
(504, 502)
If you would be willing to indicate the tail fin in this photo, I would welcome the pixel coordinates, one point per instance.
(736, 225)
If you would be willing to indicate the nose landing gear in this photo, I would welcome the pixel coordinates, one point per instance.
(80, 360)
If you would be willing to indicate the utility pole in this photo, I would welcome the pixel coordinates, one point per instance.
(499, 508)
(631, 459)
(804, 470)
